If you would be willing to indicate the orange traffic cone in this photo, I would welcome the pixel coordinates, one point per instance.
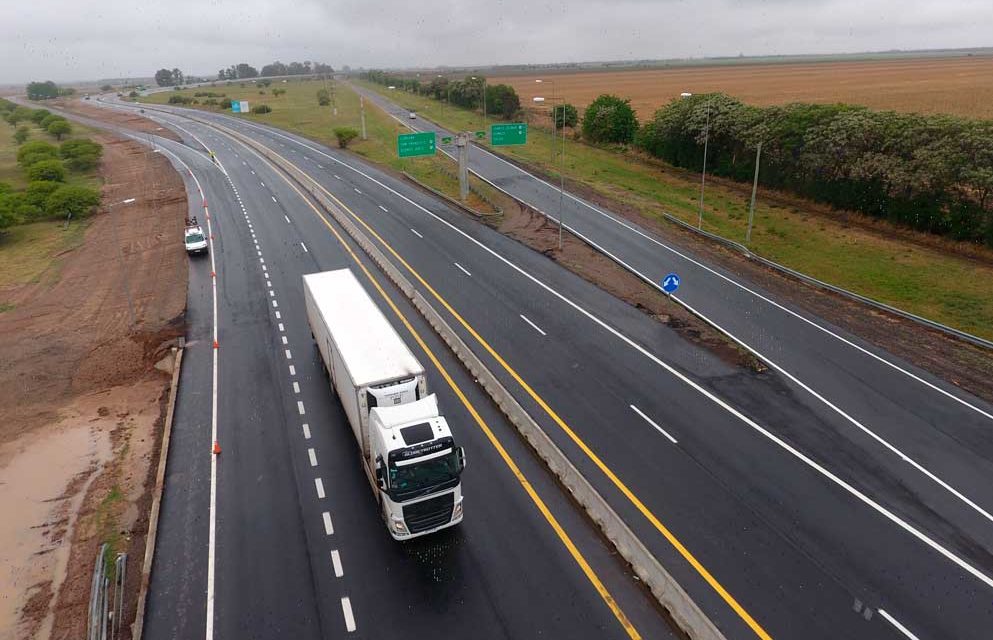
(217, 448)
(215, 344)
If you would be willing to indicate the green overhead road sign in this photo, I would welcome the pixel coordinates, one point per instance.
(411, 145)
(506, 134)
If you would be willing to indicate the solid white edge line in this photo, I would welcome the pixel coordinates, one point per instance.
(328, 527)
(346, 608)
(319, 485)
(533, 325)
(755, 426)
(654, 424)
(463, 269)
(896, 623)
(336, 563)
(313, 456)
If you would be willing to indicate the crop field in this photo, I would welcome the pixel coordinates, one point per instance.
(961, 86)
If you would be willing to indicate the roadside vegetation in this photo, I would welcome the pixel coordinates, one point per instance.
(43, 183)
(871, 257)
(329, 113)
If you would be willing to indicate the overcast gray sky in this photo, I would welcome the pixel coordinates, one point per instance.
(93, 39)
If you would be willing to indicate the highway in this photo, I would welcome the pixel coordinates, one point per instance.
(298, 549)
(771, 514)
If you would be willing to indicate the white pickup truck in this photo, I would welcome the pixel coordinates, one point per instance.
(194, 237)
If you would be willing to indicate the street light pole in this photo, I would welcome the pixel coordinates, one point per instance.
(703, 174)
(755, 186)
(561, 166)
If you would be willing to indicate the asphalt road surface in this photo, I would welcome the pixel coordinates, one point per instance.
(777, 514)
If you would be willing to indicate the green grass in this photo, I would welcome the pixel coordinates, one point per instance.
(299, 112)
(893, 271)
(27, 251)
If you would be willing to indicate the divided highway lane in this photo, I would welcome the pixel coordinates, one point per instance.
(844, 559)
(901, 415)
(504, 573)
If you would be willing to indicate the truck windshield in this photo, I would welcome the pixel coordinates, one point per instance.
(194, 237)
(411, 480)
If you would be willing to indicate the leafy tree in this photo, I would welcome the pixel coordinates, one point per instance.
(49, 119)
(37, 192)
(177, 77)
(610, 119)
(278, 92)
(502, 100)
(5, 188)
(345, 135)
(262, 109)
(277, 68)
(163, 78)
(565, 115)
(133, 95)
(19, 114)
(42, 90)
(105, 88)
(77, 200)
(264, 83)
(31, 152)
(9, 205)
(59, 128)
(21, 135)
(39, 114)
(51, 170)
(81, 154)
(323, 97)
(226, 103)
(244, 70)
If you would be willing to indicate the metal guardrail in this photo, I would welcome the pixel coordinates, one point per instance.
(106, 610)
(882, 306)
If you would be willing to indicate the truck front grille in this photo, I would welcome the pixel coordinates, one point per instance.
(430, 513)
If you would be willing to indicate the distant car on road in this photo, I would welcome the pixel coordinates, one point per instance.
(412, 116)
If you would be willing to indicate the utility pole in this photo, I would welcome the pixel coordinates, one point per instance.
(703, 174)
(561, 176)
(362, 112)
(755, 186)
(462, 142)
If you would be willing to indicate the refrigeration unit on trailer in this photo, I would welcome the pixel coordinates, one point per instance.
(408, 451)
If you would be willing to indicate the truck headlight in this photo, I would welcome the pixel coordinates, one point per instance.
(399, 527)
(457, 512)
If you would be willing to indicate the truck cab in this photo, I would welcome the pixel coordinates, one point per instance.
(418, 468)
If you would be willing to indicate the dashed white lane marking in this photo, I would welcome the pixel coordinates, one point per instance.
(319, 485)
(293, 370)
(336, 563)
(328, 527)
(261, 261)
(306, 431)
(357, 191)
(272, 293)
(281, 327)
(268, 283)
(384, 208)
(253, 172)
(313, 456)
(285, 341)
(275, 303)
(289, 356)
(463, 269)
(337, 176)
(304, 248)
(652, 422)
(896, 623)
(300, 408)
(346, 608)
(296, 387)
(320, 166)
(273, 198)
(414, 231)
(261, 183)
(278, 316)
(287, 219)
(264, 268)
(533, 325)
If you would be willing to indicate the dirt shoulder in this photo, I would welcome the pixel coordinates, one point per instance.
(965, 365)
(114, 116)
(81, 399)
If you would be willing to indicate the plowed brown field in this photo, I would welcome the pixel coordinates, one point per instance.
(962, 86)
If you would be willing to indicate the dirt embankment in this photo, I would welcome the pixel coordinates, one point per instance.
(125, 119)
(81, 401)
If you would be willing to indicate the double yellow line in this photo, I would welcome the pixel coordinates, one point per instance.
(514, 469)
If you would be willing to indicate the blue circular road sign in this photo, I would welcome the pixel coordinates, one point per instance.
(670, 283)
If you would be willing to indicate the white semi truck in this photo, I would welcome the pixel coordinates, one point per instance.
(408, 452)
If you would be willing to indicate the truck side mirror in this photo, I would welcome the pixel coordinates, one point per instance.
(461, 453)
(380, 480)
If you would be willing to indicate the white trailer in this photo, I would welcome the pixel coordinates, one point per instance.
(407, 449)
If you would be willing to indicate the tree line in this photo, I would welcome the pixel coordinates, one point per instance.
(243, 70)
(47, 168)
(932, 173)
(47, 90)
(501, 99)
